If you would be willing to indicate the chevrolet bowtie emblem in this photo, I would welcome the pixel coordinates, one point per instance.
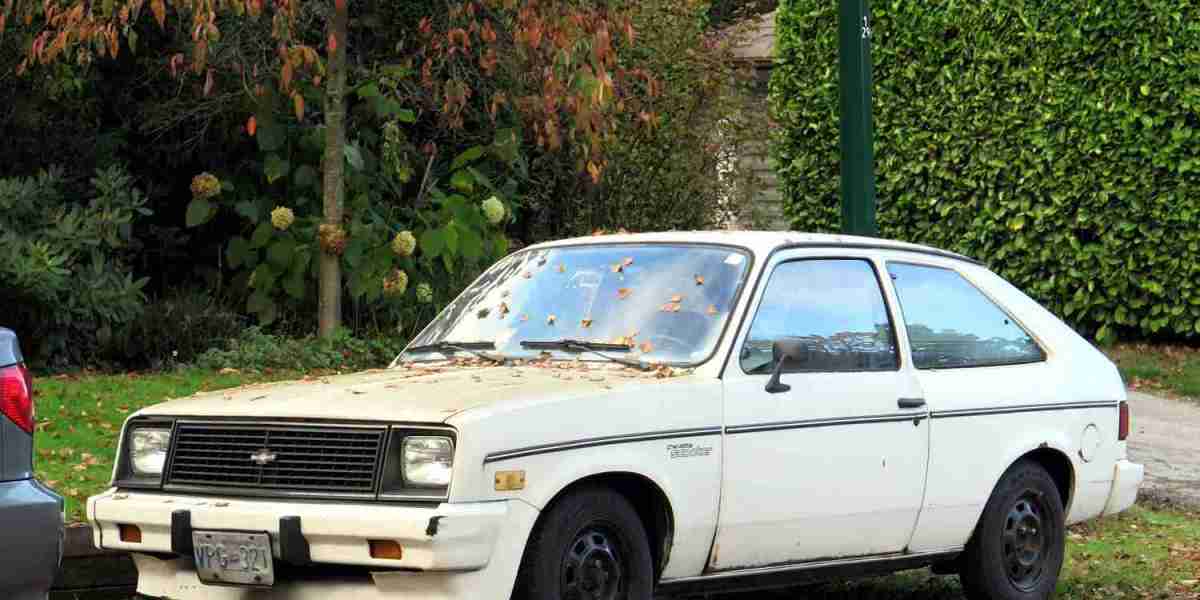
(263, 457)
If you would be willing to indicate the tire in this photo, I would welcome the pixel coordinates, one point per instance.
(1017, 549)
(590, 545)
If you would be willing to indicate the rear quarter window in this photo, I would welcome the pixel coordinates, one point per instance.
(952, 324)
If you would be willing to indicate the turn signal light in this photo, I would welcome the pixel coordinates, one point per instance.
(1123, 424)
(130, 533)
(386, 549)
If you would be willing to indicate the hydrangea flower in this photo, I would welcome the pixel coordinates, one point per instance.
(424, 293)
(493, 209)
(282, 218)
(404, 244)
(396, 283)
(205, 186)
(332, 238)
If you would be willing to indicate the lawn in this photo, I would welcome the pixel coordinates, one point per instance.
(1169, 370)
(79, 417)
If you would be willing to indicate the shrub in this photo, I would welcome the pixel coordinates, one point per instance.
(68, 287)
(175, 329)
(255, 350)
(1057, 141)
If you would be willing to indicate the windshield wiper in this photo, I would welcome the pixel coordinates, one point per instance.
(471, 347)
(596, 348)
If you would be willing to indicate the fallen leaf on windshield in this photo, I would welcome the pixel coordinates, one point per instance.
(551, 319)
(624, 293)
(617, 268)
(562, 268)
(677, 298)
(712, 309)
(586, 322)
(628, 261)
(647, 347)
(598, 232)
(527, 275)
(503, 309)
(524, 318)
(699, 280)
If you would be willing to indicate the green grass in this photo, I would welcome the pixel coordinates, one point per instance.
(79, 417)
(1146, 553)
(1171, 370)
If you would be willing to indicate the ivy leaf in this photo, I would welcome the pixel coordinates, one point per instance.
(450, 233)
(199, 211)
(462, 181)
(470, 244)
(367, 90)
(294, 284)
(247, 209)
(270, 135)
(275, 168)
(262, 235)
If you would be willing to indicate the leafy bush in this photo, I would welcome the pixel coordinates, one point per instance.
(175, 329)
(255, 350)
(1057, 141)
(68, 287)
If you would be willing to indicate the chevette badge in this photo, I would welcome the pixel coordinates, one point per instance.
(263, 457)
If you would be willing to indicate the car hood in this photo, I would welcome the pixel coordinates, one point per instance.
(428, 393)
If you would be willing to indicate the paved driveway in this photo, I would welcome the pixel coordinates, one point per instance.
(1166, 438)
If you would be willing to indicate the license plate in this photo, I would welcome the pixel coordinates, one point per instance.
(231, 558)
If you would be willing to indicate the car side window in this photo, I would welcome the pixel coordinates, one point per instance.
(951, 324)
(834, 307)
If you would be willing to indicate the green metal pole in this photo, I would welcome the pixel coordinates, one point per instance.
(858, 154)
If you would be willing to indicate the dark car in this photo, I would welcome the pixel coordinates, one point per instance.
(31, 516)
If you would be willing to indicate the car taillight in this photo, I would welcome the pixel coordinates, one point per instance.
(1123, 424)
(16, 396)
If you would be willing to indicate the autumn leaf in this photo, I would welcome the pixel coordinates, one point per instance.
(677, 298)
(699, 280)
(646, 347)
(562, 268)
(298, 105)
(160, 12)
(551, 319)
(332, 44)
(617, 268)
(586, 323)
(624, 293)
(598, 232)
(712, 309)
(675, 307)
(628, 261)
(503, 309)
(524, 318)
(252, 125)
(527, 275)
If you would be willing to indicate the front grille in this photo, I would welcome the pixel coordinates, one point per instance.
(308, 459)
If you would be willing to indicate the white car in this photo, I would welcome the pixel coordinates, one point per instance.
(614, 417)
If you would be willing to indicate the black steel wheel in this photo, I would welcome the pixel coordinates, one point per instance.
(1016, 551)
(589, 545)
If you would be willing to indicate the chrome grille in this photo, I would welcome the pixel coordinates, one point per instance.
(276, 458)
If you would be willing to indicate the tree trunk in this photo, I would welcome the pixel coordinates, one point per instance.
(330, 311)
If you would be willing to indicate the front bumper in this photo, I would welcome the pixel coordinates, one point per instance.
(1127, 478)
(448, 549)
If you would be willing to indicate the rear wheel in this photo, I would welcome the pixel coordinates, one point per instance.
(590, 545)
(1017, 549)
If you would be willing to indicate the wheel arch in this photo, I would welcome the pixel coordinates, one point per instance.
(648, 499)
(1061, 470)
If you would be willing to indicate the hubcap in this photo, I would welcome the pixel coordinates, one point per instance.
(1025, 541)
(591, 566)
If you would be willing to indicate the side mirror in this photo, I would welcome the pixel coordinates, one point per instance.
(784, 351)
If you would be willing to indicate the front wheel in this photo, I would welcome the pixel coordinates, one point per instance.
(590, 545)
(1017, 549)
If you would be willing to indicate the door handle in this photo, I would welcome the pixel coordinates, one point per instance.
(910, 402)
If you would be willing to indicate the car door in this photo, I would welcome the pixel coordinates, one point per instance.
(834, 466)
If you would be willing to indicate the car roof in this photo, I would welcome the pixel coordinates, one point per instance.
(760, 242)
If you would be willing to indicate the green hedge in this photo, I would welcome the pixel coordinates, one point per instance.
(1059, 141)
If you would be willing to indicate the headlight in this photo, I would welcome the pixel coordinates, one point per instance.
(148, 451)
(428, 461)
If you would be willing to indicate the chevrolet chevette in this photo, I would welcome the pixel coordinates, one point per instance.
(627, 416)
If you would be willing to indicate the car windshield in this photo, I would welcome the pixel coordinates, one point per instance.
(653, 303)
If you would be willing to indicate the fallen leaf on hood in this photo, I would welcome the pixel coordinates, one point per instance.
(624, 293)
